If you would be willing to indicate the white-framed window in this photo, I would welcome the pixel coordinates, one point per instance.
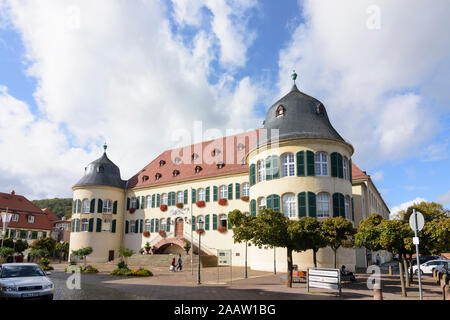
(223, 220)
(201, 194)
(15, 218)
(180, 197)
(261, 170)
(163, 224)
(148, 202)
(147, 225)
(261, 204)
(164, 199)
(40, 235)
(288, 165)
(223, 192)
(106, 226)
(29, 235)
(347, 208)
(107, 206)
(86, 206)
(345, 161)
(30, 219)
(289, 205)
(84, 225)
(133, 203)
(246, 189)
(321, 161)
(132, 226)
(323, 205)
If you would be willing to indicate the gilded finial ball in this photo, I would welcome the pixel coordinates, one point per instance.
(294, 76)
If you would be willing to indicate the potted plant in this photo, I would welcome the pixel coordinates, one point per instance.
(200, 204)
(162, 233)
(132, 210)
(141, 250)
(146, 234)
(245, 198)
(179, 205)
(187, 246)
(200, 231)
(223, 202)
(163, 207)
(147, 247)
(222, 229)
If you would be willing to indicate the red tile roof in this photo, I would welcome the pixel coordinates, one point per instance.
(229, 154)
(357, 173)
(51, 216)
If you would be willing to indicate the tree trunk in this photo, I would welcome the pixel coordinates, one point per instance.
(315, 257)
(405, 264)
(289, 265)
(335, 257)
(411, 273)
(402, 280)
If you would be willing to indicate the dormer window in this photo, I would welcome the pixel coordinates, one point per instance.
(320, 109)
(280, 111)
(30, 219)
(176, 173)
(101, 169)
(158, 176)
(198, 169)
(161, 163)
(241, 147)
(145, 178)
(220, 165)
(194, 156)
(215, 152)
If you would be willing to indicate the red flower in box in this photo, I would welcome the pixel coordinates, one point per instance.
(146, 234)
(245, 198)
(132, 210)
(162, 233)
(179, 205)
(200, 204)
(223, 202)
(222, 229)
(163, 207)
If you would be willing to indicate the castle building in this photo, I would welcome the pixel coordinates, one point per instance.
(297, 164)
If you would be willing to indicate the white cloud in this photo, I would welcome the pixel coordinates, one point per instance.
(372, 81)
(445, 198)
(108, 70)
(395, 210)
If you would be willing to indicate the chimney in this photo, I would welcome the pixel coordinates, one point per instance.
(13, 192)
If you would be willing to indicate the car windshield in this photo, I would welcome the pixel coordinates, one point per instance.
(21, 271)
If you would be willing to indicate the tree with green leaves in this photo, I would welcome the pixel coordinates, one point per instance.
(338, 232)
(368, 233)
(125, 253)
(82, 253)
(313, 235)
(38, 253)
(47, 244)
(20, 246)
(5, 252)
(63, 248)
(270, 228)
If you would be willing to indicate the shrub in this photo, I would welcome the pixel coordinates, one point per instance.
(89, 269)
(122, 265)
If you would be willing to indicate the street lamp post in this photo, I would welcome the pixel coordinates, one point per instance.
(245, 270)
(6, 218)
(200, 230)
(274, 261)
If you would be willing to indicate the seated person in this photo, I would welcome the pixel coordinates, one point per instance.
(347, 274)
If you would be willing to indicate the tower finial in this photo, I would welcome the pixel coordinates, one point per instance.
(294, 76)
(105, 146)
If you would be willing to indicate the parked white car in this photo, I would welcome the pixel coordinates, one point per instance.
(427, 267)
(24, 281)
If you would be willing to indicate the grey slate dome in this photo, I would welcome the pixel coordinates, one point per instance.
(298, 115)
(102, 172)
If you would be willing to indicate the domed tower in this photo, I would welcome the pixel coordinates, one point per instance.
(98, 202)
(301, 167)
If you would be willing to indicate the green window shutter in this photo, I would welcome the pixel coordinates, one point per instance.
(115, 207)
(185, 197)
(269, 202)
(310, 163)
(152, 225)
(91, 225)
(252, 175)
(194, 196)
(353, 211)
(141, 226)
(214, 221)
(113, 226)
(334, 165)
(301, 164)
(99, 225)
(301, 204)
(336, 205)
(238, 191)
(172, 196)
(230, 191)
(215, 193)
(136, 227)
(100, 206)
(268, 169)
(158, 200)
(168, 225)
(342, 205)
(350, 170)
(137, 203)
(156, 225)
(276, 202)
(275, 167)
(207, 222)
(207, 191)
(78, 225)
(92, 206)
(253, 207)
(193, 223)
(340, 166)
(153, 200)
(230, 227)
(312, 205)
(127, 226)
(73, 225)
(142, 202)
(128, 204)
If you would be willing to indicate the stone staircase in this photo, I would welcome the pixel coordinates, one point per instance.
(165, 260)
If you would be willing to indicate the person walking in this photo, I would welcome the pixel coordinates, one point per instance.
(172, 265)
(180, 263)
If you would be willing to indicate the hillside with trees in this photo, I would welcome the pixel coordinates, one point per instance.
(60, 207)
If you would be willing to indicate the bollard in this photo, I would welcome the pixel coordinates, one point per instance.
(446, 292)
(438, 277)
(434, 274)
(390, 270)
(443, 280)
(377, 292)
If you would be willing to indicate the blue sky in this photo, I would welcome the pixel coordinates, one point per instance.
(73, 75)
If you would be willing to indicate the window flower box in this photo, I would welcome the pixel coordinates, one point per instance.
(201, 204)
(162, 233)
(146, 234)
(179, 205)
(132, 210)
(223, 202)
(200, 231)
(245, 198)
(222, 229)
(163, 207)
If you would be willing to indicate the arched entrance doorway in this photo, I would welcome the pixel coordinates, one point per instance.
(179, 227)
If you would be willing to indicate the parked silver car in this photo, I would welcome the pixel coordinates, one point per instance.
(24, 281)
